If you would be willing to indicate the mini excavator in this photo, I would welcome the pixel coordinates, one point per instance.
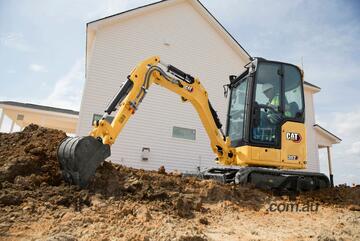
(265, 131)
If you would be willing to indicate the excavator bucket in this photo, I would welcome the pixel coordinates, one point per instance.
(79, 158)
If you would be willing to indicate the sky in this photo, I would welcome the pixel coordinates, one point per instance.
(42, 50)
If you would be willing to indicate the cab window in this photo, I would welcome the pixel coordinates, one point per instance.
(267, 104)
(237, 112)
(293, 106)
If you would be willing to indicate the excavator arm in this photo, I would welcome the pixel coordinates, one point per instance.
(80, 156)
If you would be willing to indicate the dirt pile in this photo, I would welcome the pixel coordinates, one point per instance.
(29, 157)
(339, 196)
(28, 163)
(121, 202)
(31, 189)
(181, 193)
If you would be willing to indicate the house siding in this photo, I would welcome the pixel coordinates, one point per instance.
(312, 148)
(195, 47)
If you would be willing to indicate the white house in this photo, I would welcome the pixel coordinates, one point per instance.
(186, 35)
(23, 114)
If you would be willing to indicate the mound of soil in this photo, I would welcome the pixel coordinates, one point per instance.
(29, 157)
(339, 196)
(172, 189)
(119, 200)
(28, 162)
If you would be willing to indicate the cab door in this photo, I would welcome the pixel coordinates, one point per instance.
(277, 124)
(267, 99)
(293, 146)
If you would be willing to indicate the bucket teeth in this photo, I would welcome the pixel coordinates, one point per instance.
(79, 158)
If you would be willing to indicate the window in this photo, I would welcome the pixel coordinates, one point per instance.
(268, 84)
(267, 104)
(237, 112)
(294, 107)
(20, 117)
(278, 98)
(97, 117)
(184, 133)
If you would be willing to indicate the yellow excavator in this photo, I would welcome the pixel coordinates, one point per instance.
(265, 130)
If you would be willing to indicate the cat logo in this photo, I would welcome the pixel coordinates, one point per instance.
(292, 136)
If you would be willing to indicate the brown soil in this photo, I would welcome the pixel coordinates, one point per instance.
(122, 203)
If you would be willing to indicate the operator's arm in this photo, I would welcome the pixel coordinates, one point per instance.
(189, 88)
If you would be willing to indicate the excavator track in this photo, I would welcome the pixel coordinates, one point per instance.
(278, 181)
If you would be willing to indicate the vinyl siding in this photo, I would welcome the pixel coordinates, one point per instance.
(312, 148)
(195, 47)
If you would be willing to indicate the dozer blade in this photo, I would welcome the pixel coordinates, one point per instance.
(79, 158)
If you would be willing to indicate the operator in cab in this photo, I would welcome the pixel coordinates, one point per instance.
(274, 114)
(274, 103)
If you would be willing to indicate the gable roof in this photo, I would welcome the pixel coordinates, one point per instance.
(93, 26)
(335, 139)
(313, 88)
(312, 85)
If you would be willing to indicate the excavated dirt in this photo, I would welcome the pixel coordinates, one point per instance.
(122, 203)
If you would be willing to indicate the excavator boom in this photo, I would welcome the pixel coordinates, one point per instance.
(80, 156)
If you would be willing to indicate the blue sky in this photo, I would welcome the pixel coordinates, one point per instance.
(42, 49)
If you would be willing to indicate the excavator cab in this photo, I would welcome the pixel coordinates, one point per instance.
(262, 99)
(266, 126)
(266, 115)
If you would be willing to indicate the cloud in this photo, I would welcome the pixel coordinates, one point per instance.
(326, 35)
(346, 123)
(350, 178)
(110, 7)
(346, 158)
(67, 91)
(354, 148)
(107, 8)
(11, 71)
(37, 68)
(15, 41)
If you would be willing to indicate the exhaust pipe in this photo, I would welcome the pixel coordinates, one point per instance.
(79, 157)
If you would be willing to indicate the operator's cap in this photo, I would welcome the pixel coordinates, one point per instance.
(267, 86)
